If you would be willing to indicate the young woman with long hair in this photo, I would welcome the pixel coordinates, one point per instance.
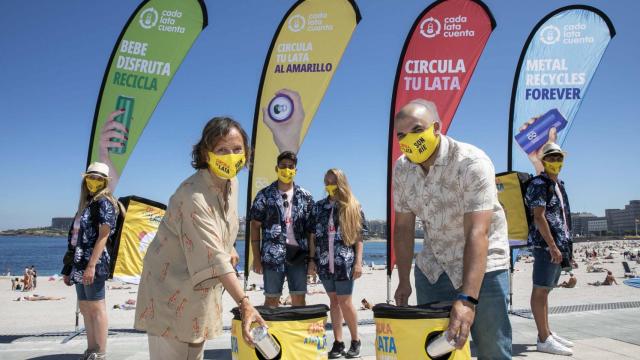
(335, 249)
(88, 267)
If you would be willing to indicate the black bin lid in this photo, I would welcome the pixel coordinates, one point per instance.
(288, 313)
(435, 310)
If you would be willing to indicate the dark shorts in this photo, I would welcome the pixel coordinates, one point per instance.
(545, 273)
(93, 292)
(296, 279)
(344, 287)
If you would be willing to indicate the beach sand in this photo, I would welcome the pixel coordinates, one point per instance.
(27, 317)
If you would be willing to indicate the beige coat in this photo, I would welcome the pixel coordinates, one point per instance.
(180, 292)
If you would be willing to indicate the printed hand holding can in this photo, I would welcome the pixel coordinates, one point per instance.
(533, 135)
(125, 104)
(536, 132)
(113, 135)
(284, 117)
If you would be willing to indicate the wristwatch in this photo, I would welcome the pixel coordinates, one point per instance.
(467, 298)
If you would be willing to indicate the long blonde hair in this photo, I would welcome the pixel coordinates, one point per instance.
(85, 196)
(349, 213)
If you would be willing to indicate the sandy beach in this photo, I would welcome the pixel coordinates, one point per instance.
(36, 317)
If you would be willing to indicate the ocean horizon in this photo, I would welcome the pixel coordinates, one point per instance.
(45, 253)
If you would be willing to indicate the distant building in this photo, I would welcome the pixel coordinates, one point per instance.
(61, 223)
(377, 228)
(622, 221)
(597, 226)
(579, 223)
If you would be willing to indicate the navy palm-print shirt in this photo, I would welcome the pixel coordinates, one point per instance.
(344, 256)
(88, 236)
(268, 209)
(541, 193)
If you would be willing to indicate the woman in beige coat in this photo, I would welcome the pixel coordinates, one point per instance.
(192, 258)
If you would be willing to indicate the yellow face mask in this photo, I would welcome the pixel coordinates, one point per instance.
(94, 185)
(226, 166)
(418, 147)
(331, 189)
(552, 167)
(286, 175)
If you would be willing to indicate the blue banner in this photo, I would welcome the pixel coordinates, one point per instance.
(554, 72)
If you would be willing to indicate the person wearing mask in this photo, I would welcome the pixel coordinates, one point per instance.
(192, 257)
(550, 242)
(279, 220)
(88, 267)
(335, 253)
(450, 186)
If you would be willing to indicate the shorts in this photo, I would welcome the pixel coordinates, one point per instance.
(545, 273)
(340, 287)
(93, 292)
(296, 279)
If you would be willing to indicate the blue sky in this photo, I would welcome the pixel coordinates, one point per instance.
(55, 53)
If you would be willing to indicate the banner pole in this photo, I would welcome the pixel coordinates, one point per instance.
(388, 288)
(78, 330)
(77, 315)
(511, 270)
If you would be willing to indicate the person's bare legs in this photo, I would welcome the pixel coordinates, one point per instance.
(272, 301)
(546, 312)
(98, 314)
(88, 325)
(350, 315)
(539, 309)
(298, 300)
(336, 316)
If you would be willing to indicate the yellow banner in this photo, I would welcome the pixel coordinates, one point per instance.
(298, 339)
(399, 339)
(302, 60)
(511, 198)
(138, 229)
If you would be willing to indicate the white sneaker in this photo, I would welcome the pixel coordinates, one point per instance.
(562, 341)
(551, 346)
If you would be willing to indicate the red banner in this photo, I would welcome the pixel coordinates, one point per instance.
(436, 64)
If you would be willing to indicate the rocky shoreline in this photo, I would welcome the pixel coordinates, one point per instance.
(48, 232)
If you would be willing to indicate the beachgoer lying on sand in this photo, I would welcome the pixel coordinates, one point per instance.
(569, 283)
(315, 291)
(255, 287)
(40, 298)
(124, 307)
(609, 280)
(594, 268)
(119, 287)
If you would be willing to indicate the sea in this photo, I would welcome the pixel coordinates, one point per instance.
(45, 253)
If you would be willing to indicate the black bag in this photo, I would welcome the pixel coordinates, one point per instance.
(295, 255)
(67, 260)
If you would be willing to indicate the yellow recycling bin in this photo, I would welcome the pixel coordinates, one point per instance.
(299, 330)
(403, 332)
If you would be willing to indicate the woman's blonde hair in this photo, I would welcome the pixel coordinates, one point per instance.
(349, 213)
(85, 196)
